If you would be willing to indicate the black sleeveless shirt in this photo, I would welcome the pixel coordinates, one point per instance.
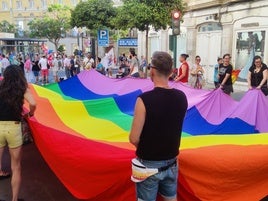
(161, 134)
(7, 112)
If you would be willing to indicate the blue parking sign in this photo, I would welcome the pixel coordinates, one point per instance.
(103, 37)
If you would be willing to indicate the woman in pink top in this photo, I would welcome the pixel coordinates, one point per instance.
(27, 68)
(27, 64)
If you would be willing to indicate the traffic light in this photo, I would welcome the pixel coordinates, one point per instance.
(176, 15)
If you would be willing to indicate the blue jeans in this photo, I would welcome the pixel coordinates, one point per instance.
(67, 72)
(135, 75)
(164, 183)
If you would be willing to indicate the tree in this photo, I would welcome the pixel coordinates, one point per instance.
(53, 26)
(61, 49)
(143, 14)
(7, 27)
(93, 14)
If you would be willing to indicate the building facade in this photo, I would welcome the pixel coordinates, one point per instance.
(238, 27)
(21, 12)
(212, 28)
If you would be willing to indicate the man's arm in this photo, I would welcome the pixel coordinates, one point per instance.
(225, 79)
(131, 66)
(138, 122)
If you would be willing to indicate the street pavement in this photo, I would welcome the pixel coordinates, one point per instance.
(39, 183)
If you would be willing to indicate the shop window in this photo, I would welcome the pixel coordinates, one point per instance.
(248, 44)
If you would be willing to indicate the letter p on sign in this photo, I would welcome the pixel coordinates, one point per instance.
(103, 34)
(103, 38)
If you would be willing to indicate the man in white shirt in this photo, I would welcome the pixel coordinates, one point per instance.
(44, 70)
(134, 65)
(67, 66)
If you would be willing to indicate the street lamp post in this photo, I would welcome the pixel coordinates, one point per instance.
(78, 42)
(82, 36)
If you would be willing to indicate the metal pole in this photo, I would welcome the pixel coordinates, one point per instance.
(82, 43)
(78, 45)
(175, 50)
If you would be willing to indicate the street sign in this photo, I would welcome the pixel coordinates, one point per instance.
(128, 42)
(103, 37)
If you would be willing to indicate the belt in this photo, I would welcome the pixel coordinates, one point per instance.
(161, 169)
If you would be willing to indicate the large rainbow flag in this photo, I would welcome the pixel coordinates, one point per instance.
(82, 125)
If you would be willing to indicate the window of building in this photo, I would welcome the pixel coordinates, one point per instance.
(18, 4)
(44, 3)
(31, 4)
(4, 5)
(213, 26)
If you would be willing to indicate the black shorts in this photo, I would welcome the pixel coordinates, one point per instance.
(228, 89)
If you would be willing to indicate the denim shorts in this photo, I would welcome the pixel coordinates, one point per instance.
(36, 73)
(164, 183)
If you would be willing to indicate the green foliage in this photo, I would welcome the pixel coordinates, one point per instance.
(117, 34)
(93, 14)
(53, 25)
(7, 27)
(144, 13)
(61, 49)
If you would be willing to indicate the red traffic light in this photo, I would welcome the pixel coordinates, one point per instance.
(176, 14)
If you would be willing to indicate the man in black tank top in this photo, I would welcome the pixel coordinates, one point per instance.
(156, 132)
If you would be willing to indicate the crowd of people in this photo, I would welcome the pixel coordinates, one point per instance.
(61, 66)
(257, 75)
(41, 66)
(131, 66)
